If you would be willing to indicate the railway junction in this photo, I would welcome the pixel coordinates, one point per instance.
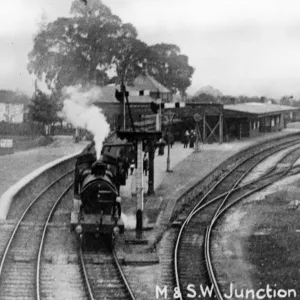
(182, 221)
(155, 259)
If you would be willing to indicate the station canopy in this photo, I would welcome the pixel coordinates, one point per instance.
(256, 109)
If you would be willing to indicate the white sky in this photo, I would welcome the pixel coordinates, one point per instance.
(240, 47)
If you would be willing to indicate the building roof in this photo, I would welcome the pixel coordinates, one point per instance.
(255, 109)
(108, 95)
(146, 82)
(11, 97)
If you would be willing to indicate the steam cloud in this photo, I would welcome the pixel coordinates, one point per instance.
(80, 111)
(129, 221)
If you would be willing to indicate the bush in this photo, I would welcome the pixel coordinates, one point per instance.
(45, 140)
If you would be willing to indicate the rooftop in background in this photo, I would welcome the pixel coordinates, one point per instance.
(146, 82)
(11, 97)
(256, 108)
(108, 95)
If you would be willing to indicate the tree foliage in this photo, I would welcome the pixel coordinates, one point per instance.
(43, 109)
(205, 98)
(170, 67)
(85, 47)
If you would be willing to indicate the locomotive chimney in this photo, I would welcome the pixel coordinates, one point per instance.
(98, 168)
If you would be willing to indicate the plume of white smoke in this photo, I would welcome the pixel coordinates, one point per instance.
(129, 221)
(80, 111)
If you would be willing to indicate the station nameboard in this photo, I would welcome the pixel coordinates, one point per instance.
(6, 143)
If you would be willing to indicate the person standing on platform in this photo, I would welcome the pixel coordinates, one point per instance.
(171, 139)
(161, 149)
(186, 139)
(192, 139)
(145, 164)
(132, 165)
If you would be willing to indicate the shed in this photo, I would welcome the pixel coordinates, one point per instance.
(251, 119)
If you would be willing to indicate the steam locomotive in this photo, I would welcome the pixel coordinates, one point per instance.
(97, 202)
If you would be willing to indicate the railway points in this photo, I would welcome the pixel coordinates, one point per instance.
(170, 193)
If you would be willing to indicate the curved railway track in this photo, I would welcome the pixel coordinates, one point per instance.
(192, 263)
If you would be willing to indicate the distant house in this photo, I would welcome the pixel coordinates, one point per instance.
(146, 82)
(141, 83)
(12, 107)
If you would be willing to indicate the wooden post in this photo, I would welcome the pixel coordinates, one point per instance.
(157, 122)
(197, 148)
(169, 118)
(204, 129)
(139, 186)
(151, 168)
(124, 105)
(221, 129)
(197, 119)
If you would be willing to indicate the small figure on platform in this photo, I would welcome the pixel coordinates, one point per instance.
(192, 138)
(186, 139)
(145, 164)
(161, 149)
(132, 166)
(171, 140)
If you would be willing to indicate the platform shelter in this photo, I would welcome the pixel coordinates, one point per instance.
(246, 120)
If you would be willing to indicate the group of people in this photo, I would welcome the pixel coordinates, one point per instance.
(189, 138)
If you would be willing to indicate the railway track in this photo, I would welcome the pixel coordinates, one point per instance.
(192, 263)
(36, 263)
(19, 266)
(25, 271)
(103, 276)
(182, 209)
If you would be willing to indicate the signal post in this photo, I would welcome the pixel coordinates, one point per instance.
(139, 137)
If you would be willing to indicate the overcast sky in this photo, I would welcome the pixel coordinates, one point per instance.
(239, 47)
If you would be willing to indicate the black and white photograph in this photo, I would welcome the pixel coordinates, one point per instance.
(149, 149)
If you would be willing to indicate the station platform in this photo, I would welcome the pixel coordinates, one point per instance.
(188, 168)
(14, 167)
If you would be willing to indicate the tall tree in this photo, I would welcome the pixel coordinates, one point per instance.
(84, 48)
(170, 67)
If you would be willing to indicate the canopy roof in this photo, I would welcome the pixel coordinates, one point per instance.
(257, 109)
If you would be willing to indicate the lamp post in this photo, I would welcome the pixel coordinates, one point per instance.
(169, 118)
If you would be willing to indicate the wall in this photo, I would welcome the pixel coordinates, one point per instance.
(272, 123)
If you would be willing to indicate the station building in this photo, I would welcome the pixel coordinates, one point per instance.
(214, 122)
(246, 120)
